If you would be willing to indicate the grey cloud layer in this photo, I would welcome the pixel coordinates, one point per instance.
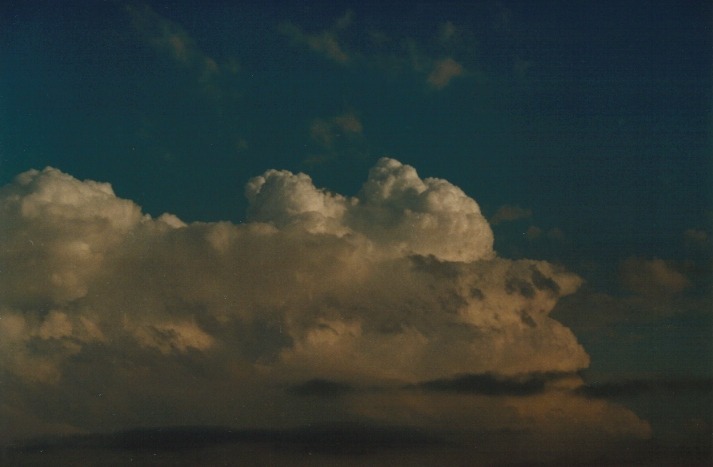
(210, 322)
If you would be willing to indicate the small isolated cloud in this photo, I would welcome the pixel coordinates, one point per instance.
(111, 319)
(555, 233)
(326, 43)
(509, 213)
(533, 232)
(651, 277)
(326, 132)
(443, 72)
(447, 32)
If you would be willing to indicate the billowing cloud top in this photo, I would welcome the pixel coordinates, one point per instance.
(395, 209)
(398, 285)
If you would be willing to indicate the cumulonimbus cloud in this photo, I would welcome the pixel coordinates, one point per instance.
(396, 286)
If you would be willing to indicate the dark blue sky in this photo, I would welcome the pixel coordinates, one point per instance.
(582, 129)
(597, 117)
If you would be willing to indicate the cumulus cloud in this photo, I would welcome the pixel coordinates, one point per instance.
(395, 209)
(110, 318)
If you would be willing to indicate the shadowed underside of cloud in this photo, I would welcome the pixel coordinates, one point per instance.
(321, 388)
(335, 443)
(111, 319)
(347, 438)
(341, 444)
(494, 385)
(638, 387)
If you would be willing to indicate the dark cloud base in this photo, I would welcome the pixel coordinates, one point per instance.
(345, 444)
(220, 446)
(490, 384)
(641, 387)
(320, 388)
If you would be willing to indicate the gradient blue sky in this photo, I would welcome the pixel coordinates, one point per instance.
(582, 129)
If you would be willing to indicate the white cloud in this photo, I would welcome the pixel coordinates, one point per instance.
(394, 286)
(56, 231)
(395, 209)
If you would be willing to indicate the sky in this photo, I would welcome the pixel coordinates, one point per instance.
(354, 233)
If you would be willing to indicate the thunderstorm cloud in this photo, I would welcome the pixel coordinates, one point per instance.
(383, 306)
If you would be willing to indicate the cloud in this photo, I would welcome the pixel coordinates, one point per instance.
(651, 277)
(509, 213)
(447, 32)
(112, 319)
(170, 38)
(698, 241)
(326, 43)
(438, 60)
(530, 424)
(395, 209)
(321, 388)
(533, 232)
(494, 384)
(638, 387)
(443, 72)
(328, 132)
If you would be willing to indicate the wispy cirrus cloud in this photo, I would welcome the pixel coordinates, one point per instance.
(170, 38)
(326, 132)
(326, 42)
(337, 137)
(382, 50)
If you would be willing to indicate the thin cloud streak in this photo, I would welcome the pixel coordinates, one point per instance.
(326, 43)
(171, 39)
